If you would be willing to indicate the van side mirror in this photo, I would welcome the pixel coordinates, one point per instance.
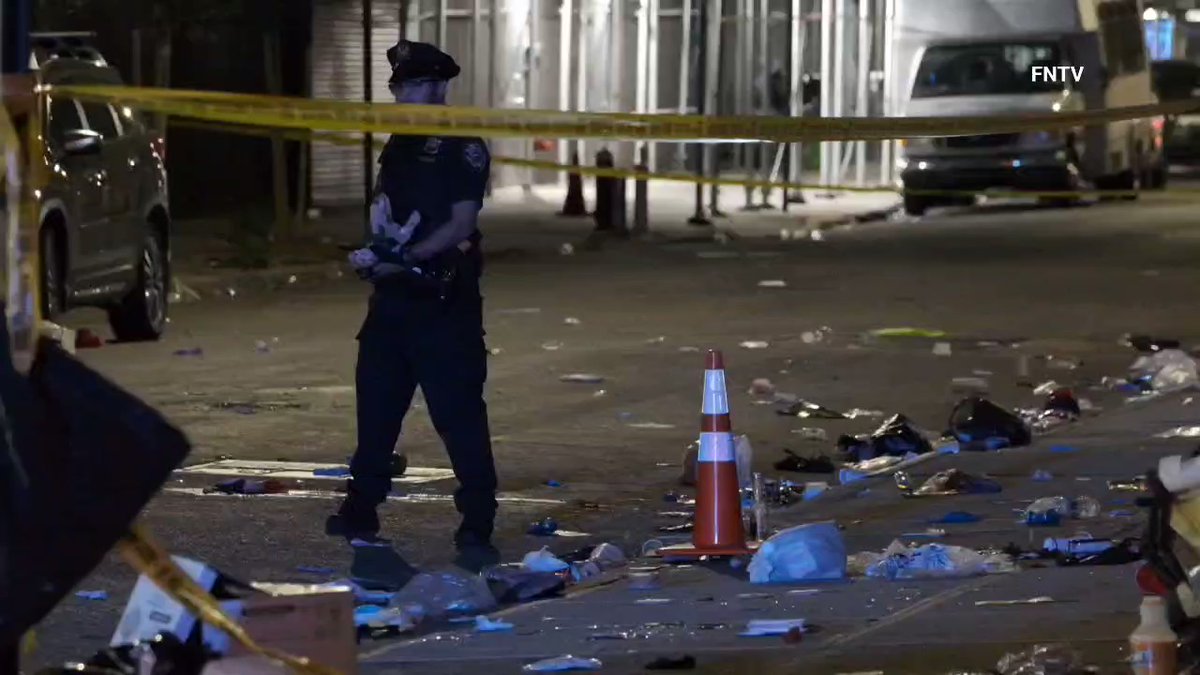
(82, 142)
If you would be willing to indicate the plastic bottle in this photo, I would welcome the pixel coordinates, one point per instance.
(1152, 644)
(1085, 507)
(1077, 546)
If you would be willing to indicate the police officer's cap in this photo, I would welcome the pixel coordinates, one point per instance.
(420, 61)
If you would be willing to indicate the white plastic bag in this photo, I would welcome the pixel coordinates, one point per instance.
(935, 561)
(444, 594)
(813, 552)
(543, 561)
(1169, 370)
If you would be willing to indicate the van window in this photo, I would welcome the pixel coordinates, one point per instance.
(64, 117)
(981, 69)
(1122, 35)
(100, 119)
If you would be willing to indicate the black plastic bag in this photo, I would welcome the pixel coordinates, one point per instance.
(978, 420)
(896, 437)
(512, 583)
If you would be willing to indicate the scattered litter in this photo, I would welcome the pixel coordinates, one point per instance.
(650, 425)
(928, 533)
(1045, 388)
(566, 249)
(809, 410)
(684, 662)
(652, 601)
(855, 413)
(896, 437)
(761, 387)
(333, 472)
(689, 349)
(957, 518)
(1148, 345)
(772, 283)
(798, 464)
(978, 421)
(395, 619)
(1063, 449)
(553, 484)
(495, 351)
(193, 351)
(644, 581)
(520, 310)
(542, 561)
(754, 344)
(1063, 364)
(444, 594)
(1136, 484)
(262, 347)
(543, 528)
(1180, 432)
(486, 625)
(1042, 476)
(1045, 659)
(1166, 370)
(812, 434)
(812, 552)
(551, 346)
(941, 349)
(245, 486)
(970, 386)
(930, 561)
(582, 378)
(561, 664)
(572, 321)
(292, 279)
(907, 332)
(92, 595)
(657, 340)
(306, 569)
(1053, 510)
(1040, 600)
(514, 583)
(769, 627)
(948, 482)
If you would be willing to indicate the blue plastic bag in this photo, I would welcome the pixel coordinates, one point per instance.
(812, 552)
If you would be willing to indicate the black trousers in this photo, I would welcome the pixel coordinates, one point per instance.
(410, 340)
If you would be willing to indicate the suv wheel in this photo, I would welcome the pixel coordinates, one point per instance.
(915, 205)
(52, 274)
(142, 315)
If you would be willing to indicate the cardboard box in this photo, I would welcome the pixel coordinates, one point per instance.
(150, 611)
(303, 620)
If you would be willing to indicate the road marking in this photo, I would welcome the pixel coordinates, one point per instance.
(330, 494)
(910, 611)
(242, 468)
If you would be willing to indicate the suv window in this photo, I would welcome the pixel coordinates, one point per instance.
(100, 119)
(64, 117)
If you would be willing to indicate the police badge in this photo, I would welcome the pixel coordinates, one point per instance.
(475, 155)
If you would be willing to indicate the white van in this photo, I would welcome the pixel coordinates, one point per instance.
(978, 57)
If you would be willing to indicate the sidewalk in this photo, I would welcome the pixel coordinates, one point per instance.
(512, 219)
(915, 626)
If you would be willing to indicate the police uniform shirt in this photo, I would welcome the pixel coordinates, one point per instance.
(429, 174)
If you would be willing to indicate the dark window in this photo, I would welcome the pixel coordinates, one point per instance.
(64, 117)
(1123, 36)
(100, 119)
(980, 69)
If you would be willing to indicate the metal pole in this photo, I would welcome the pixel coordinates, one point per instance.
(566, 22)
(826, 85)
(494, 48)
(796, 106)
(864, 72)
(685, 78)
(441, 23)
(368, 148)
(532, 81)
(700, 150)
(839, 83)
(713, 76)
(642, 77)
(764, 88)
(743, 56)
(652, 93)
(888, 157)
(581, 84)
(476, 69)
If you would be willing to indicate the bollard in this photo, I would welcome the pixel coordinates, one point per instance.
(641, 206)
(574, 204)
(620, 215)
(604, 193)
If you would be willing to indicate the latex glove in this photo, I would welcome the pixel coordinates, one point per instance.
(363, 258)
(381, 215)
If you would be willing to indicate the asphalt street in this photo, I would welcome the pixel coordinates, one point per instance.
(273, 376)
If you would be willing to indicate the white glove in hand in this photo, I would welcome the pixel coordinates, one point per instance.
(363, 258)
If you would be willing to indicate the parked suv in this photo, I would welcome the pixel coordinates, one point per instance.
(105, 236)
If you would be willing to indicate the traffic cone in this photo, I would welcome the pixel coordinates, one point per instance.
(718, 529)
(574, 205)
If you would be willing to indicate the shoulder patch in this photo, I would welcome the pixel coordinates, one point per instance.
(475, 155)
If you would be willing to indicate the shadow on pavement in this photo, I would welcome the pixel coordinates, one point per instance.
(380, 568)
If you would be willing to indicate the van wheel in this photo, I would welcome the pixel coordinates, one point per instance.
(142, 314)
(915, 206)
(52, 273)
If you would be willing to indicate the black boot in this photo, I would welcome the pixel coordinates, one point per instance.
(357, 521)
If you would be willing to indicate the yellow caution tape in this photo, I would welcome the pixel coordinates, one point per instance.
(147, 557)
(346, 116)
(635, 174)
(29, 644)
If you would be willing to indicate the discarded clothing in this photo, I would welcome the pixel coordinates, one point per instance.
(245, 486)
(798, 464)
(809, 410)
(514, 583)
(897, 437)
(949, 482)
(812, 552)
(1148, 345)
(976, 420)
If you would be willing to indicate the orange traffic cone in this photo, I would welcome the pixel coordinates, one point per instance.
(718, 529)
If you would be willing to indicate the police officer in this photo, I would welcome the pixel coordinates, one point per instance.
(424, 324)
